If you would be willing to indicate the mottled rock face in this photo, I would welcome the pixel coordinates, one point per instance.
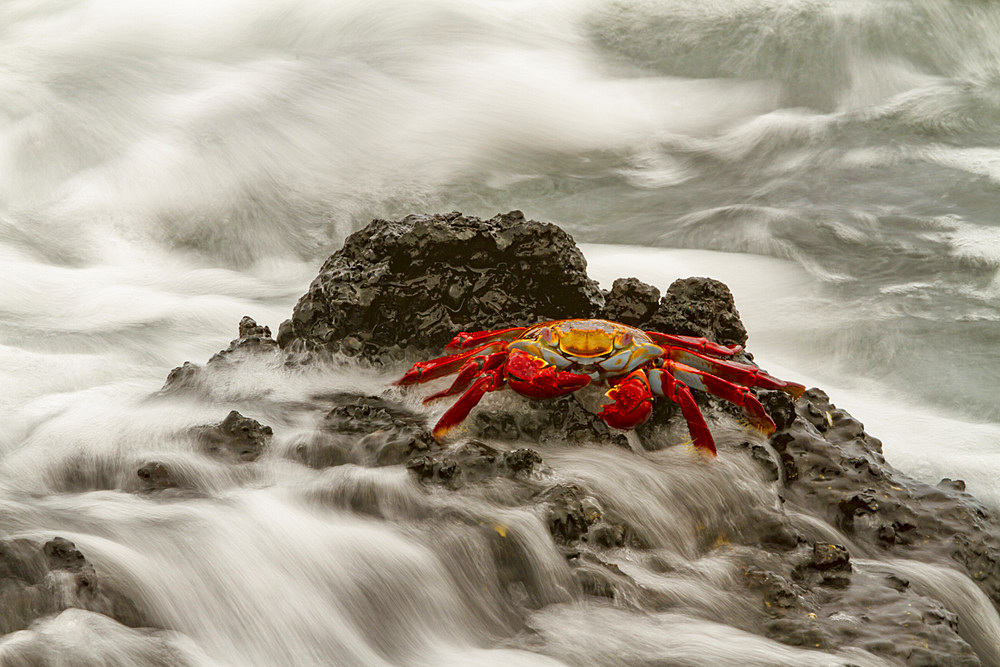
(831, 466)
(236, 438)
(417, 282)
(631, 302)
(254, 341)
(700, 307)
(38, 579)
(413, 284)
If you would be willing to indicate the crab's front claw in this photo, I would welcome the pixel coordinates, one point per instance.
(631, 402)
(533, 377)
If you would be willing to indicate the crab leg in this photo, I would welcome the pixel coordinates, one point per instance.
(422, 371)
(702, 345)
(743, 374)
(466, 339)
(662, 383)
(485, 382)
(734, 393)
(467, 374)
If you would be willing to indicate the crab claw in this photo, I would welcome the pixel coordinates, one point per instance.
(533, 377)
(631, 402)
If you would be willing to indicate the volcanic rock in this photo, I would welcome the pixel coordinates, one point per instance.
(253, 340)
(42, 578)
(631, 302)
(412, 285)
(699, 307)
(474, 461)
(236, 438)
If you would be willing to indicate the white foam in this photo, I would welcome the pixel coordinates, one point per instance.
(255, 128)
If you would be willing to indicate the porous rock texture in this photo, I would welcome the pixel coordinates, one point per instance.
(38, 578)
(235, 438)
(398, 290)
(411, 285)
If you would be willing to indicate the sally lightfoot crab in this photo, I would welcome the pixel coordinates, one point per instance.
(556, 358)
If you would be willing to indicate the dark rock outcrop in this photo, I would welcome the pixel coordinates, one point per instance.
(412, 285)
(38, 579)
(254, 340)
(631, 302)
(473, 461)
(699, 307)
(157, 476)
(236, 438)
(834, 469)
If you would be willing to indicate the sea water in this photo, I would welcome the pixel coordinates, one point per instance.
(166, 168)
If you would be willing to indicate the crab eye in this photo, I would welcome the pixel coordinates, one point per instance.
(547, 335)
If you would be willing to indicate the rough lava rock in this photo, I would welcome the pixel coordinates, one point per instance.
(631, 302)
(236, 438)
(413, 284)
(699, 307)
(254, 340)
(835, 470)
(42, 578)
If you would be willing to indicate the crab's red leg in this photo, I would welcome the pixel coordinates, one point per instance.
(468, 373)
(702, 345)
(734, 393)
(662, 383)
(485, 382)
(631, 402)
(422, 371)
(744, 374)
(466, 339)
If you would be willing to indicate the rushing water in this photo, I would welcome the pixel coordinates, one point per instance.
(167, 167)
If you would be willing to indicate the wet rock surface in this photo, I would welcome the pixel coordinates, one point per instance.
(631, 302)
(835, 470)
(562, 418)
(699, 307)
(412, 285)
(39, 578)
(398, 291)
(157, 476)
(254, 341)
(236, 438)
(363, 430)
